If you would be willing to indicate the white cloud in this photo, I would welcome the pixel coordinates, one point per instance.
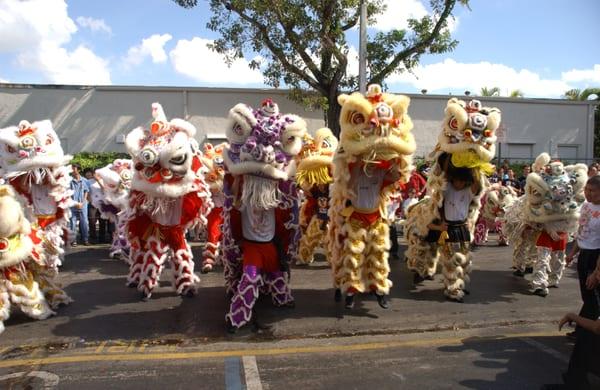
(195, 60)
(399, 11)
(80, 66)
(352, 67)
(451, 75)
(153, 46)
(94, 24)
(4, 80)
(26, 23)
(591, 76)
(36, 31)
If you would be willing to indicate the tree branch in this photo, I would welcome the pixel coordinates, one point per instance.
(419, 47)
(300, 48)
(277, 52)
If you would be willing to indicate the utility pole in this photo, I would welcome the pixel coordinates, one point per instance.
(362, 51)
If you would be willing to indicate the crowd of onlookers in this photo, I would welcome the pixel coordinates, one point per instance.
(85, 218)
(506, 175)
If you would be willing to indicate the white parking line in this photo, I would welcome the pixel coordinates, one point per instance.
(251, 372)
(550, 351)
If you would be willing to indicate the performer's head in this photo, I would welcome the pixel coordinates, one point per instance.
(460, 178)
(592, 190)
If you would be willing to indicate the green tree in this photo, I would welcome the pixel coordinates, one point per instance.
(303, 43)
(489, 92)
(586, 94)
(516, 93)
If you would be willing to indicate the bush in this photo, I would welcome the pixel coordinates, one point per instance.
(95, 160)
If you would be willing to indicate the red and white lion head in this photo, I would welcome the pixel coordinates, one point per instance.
(116, 181)
(30, 146)
(165, 161)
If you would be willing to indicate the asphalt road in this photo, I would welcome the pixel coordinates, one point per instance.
(501, 337)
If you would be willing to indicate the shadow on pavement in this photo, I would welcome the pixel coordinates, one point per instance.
(514, 363)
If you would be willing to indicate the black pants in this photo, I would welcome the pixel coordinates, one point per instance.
(584, 358)
(586, 263)
(394, 239)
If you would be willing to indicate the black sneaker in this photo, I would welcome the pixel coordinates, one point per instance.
(86, 243)
(417, 279)
(529, 270)
(382, 300)
(349, 301)
(74, 244)
(519, 273)
(572, 335)
(540, 292)
(231, 329)
(454, 299)
(337, 296)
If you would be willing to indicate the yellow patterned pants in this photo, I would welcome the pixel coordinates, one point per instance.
(312, 238)
(363, 263)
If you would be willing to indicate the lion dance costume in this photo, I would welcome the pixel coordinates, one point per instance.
(25, 281)
(168, 195)
(212, 158)
(467, 141)
(313, 176)
(260, 227)
(33, 162)
(549, 213)
(110, 195)
(494, 202)
(375, 152)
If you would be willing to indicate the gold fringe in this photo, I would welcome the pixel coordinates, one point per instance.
(314, 176)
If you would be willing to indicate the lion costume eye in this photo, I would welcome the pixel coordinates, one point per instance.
(453, 123)
(49, 140)
(384, 111)
(179, 160)
(326, 144)
(291, 144)
(28, 142)
(148, 156)
(357, 118)
(10, 149)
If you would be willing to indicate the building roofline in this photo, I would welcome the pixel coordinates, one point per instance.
(284, 92)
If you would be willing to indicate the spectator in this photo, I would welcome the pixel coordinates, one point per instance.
(93, 213)
(593, 170)
(523, 178)
(81, 190)
(415, 182)
(588, 246)
(585, 357)
(510, 180)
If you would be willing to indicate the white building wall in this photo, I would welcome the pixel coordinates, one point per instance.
(96, 118)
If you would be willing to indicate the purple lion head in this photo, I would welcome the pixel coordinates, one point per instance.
(263, 142)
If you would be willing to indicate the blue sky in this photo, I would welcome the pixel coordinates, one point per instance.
(542, 47)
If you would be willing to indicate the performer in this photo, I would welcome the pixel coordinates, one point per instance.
(168, 195)
(25, 280)
(375, 151)
(212, 159)
(313, 176)
(460, 159)
(553, 199)
(495, 200)
(33, 162)
(260, 214)
(110, 195)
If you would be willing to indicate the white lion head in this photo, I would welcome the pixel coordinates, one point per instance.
(30, 146)
(164, 159)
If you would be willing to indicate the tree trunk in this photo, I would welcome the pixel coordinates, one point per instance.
(333, 114)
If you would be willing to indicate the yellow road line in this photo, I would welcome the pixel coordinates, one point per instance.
(255, 352)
